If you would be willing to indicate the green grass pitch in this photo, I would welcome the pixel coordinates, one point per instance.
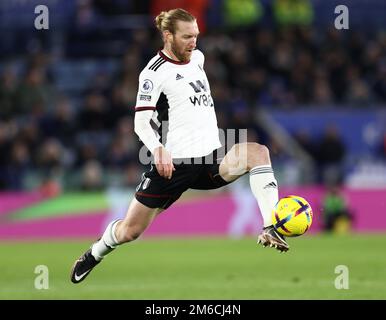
(201, 268)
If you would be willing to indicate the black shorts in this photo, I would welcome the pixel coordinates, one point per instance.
(201, 173)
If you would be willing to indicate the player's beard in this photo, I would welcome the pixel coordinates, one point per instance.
(180, 52)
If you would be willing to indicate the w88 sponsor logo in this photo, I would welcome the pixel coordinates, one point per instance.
(203, 99)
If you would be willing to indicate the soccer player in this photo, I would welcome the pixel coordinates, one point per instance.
(174, 91)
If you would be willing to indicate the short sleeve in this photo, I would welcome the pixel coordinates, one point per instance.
(149, 90)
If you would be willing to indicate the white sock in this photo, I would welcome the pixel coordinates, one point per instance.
(264, 188)
(107, 243)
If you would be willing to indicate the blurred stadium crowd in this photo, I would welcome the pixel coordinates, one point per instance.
(67, 94)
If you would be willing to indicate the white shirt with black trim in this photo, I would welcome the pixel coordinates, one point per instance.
(179, 93)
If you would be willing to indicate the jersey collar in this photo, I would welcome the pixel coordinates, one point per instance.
(164, 56)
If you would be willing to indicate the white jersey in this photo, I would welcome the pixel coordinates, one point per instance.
(179, 94)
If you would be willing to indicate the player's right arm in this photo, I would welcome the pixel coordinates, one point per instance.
(147, 97)
(162, 159)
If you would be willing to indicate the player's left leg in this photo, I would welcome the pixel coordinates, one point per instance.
(255, 159)
(137, 219)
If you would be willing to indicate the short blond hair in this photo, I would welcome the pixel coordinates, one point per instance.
(167, 20)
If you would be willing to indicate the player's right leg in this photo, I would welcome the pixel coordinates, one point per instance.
(137, 219)
(255, 159)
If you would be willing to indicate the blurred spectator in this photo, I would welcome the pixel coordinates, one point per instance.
(120, 107)
(305, 140)
(118, 155)
(276, 95)
(19, 164)
(282, 58)
(358, 93)
(92, 176)
(86, 15)
(322, 93)
(330, 154)
(31, 135)
(124, 94)
(336, 214)
(34, 95)
(293, 12)
(131, 64)
(7, 93)
(242, 13)
(86, 152)
(92, 117)
(50, 155)
(61, 123)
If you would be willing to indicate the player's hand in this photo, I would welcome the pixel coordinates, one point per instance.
(163, 162)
